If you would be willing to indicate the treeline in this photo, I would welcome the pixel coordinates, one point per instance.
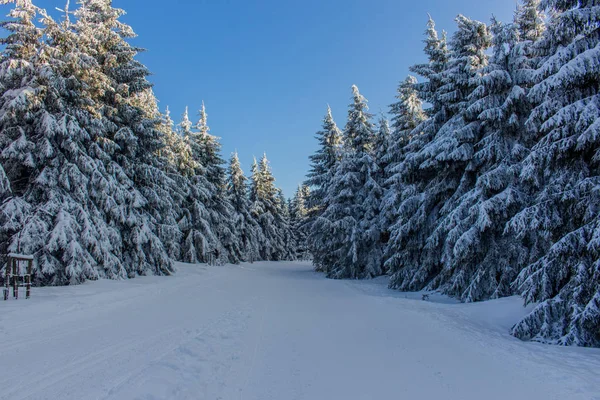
(491, 190)
(96, 182)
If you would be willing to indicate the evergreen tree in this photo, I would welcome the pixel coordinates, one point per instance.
(177, 164)
(322, 168)
(298, 221)
(407, 115)
(131, 135)
(53, 214)
(290, 245)
(208, 155)
(200, 243)
(438, 55)
(247, 229)
(530, 21)
(478, 260)
(348, 228)
(561, 174)
(266, 211)
(177, 153)
(383, 158)
(407, 238)
(438, 165)
(324, 160)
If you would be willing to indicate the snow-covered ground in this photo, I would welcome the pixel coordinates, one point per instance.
(274, 331)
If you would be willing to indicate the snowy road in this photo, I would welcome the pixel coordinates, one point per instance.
(272, 331)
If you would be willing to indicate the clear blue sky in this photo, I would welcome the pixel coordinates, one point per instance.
(267, 69)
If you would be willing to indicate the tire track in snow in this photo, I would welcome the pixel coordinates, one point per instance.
(179, 344)
(39, 383)
(58, 331)
(257, 344)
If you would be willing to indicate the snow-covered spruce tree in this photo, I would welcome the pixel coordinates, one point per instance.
(247, 229)
(132, 137)
(323, 161)
(322, 168)
(51, 214)
(562, 174)
(437, 53)
(298, 218)
(283, 221)
(176, 162)
(530, 21)
(207, 153)
(201, 243)
(265, 209)
(348, 227)
(381, 148)
(440, 162)
(407, 237)
(407, 115)
(383, 158)
(176, 152)
(20, 67)
(179, 166)
(479, 260)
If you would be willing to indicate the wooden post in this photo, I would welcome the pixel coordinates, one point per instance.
(28, 279)
(15, 278)
(7, 279)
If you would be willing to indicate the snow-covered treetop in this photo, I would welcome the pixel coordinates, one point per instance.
(408, 111)
(185, 126)
(23, 39)
(202, 125)
(359, 131)
(530, 20)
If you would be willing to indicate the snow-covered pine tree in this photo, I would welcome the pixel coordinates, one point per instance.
(407, 115)
(51, 214)
(381, 147)
(212, 177)
(298, 221)
(133, 137)
(439, 163)
(407, 237)
(324, 160)
(264, 199)
(479, 260)
(348, 228)
(177, 164)
(382, 157)
(530, 21)
(216, 175)
(257, 208)
(177, 153)
(283, 221)
(562, 174)
(247, 229)
(201, 243)
(322, 168)
(20, 67)
(437, 53)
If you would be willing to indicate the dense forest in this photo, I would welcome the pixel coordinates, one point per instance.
(484, 182)
(96, 182)
(487, 182)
